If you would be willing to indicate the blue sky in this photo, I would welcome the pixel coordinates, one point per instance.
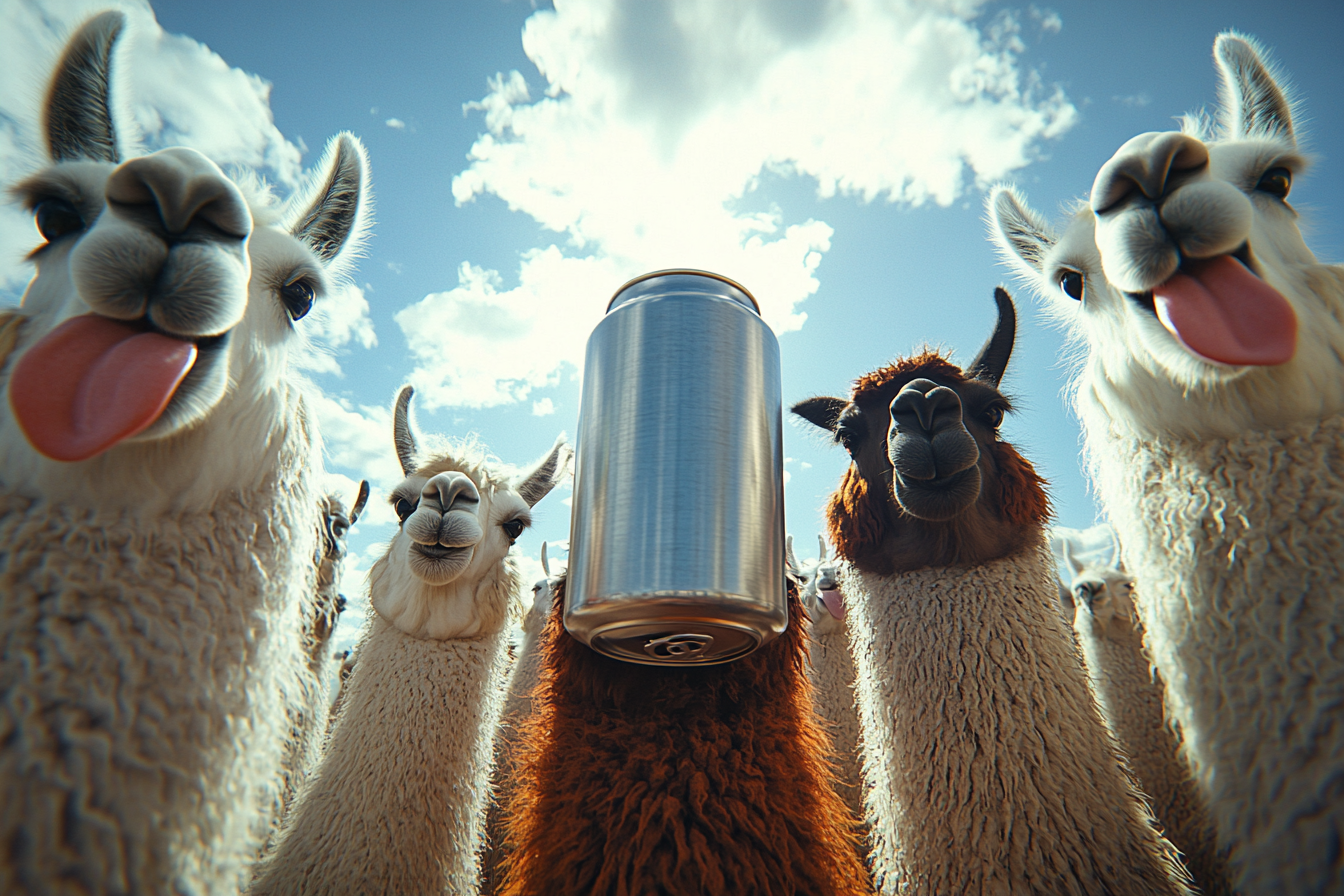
(833, 157)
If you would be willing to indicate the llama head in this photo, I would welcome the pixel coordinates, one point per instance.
(445, 574)
(335, 528)
(1103, 595)
(167, 295)
(1185, 273)
(819, 590)
(930, 483)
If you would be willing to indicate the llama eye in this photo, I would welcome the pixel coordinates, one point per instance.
(1071, 282)
(57, 218)
(1276, 182)
(994, 416)
(298, 298)
(405, 508)
(513, 528)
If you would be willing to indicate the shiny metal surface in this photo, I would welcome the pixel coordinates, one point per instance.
(677, 530)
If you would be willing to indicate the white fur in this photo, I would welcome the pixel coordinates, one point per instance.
(1222, 483)
(398, 803)
(159, 700)
(988, 766)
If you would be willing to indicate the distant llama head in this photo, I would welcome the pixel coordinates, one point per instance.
(335, 529)
(444, 574)
(931, 483)
(1102, 592)
(1186, 275)
(167, 296)
(820, 591)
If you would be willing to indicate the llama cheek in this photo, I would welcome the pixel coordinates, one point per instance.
(114, 269)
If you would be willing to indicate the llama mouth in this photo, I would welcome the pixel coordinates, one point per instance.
(1221, 311)
(438, 565)
(938, 500)
(94, 382)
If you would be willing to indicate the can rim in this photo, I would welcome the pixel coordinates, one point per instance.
(694, 272)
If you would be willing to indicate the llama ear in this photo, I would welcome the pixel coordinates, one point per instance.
(1253, 103)
(821, 548)
(993, 358)
(333, 214)
(790, 558)
(823, 412)
(1070, 561)
(77, 115)
(1022, 236)
(547, 474)
(545, 564)
(360, 500)
(402, 436)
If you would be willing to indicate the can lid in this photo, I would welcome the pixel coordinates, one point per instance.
(685, 272)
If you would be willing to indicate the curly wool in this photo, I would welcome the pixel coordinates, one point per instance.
(832, 673)
(1129, 694)
(990, 769)
(1238, 550)
(637, 780)
(153, 682)
(406, 818)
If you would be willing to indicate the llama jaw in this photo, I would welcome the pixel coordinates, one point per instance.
(94, 382)
(1222, 313)
(439, 565)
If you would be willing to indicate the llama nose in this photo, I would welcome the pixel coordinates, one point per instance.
(926, 405)
(450, 491)
(1146, 164)
(183, 187)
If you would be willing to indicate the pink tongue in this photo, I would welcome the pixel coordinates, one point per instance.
(835, 603)
(92, 382)
(1222, 312)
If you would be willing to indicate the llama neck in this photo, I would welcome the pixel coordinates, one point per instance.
(982, 741)
(410, 748)
(182, 644)
(832, 673)
(1238, 549)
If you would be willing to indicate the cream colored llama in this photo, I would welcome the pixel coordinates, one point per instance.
(397, 804)
(336, 523)
(1211, 399)
(157, 526)
(831, 668)
(1129, 693)
(988, 767)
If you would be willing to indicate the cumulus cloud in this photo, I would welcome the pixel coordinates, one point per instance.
(396, 124)
(543, 408)
(649, 138)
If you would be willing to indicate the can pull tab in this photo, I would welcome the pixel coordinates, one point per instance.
(688, 646)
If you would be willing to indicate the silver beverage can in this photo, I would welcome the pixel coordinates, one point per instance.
(677, 530)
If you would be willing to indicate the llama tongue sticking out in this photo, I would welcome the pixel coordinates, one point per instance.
(1224, 313)
(93, 382)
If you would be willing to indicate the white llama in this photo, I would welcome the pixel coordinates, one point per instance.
(336, 522)
(1211, 398)
(157, 526)
(397, 804)
(1129, 694)
(831, 668)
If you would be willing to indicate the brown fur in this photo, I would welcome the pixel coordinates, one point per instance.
(640, 780)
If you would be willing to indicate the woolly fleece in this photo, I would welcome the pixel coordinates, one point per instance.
(1237, 546)
(989, 766)
(397, 805)
(1129, 694)
(830, 668)
(640, 780)
(152, 681)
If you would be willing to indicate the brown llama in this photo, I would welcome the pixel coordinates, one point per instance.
(640, 780)
(987, 765)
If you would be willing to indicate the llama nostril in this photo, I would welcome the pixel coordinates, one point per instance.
(1146, 164)
(184, 187)
(932, 407)
(451, 491)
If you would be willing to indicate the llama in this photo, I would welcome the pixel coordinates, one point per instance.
(830, 668)
(1130, 698)
(685, 781)
(1210, 393)
(157, 531)
(397, 804)
(523, 678)
(330, 604)
(988, 767)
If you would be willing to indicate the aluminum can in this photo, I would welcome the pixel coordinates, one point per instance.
(677, 529)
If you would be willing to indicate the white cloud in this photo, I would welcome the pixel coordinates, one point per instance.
(656, 122)
(396, 124)
(543, 408)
